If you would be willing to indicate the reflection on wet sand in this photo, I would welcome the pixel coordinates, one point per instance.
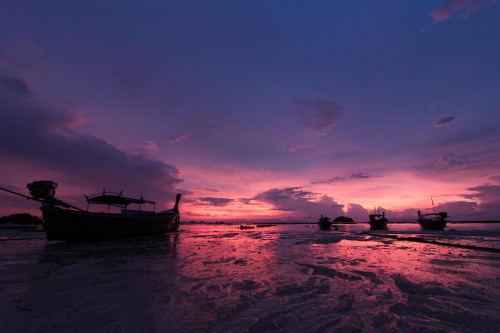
(226, 279)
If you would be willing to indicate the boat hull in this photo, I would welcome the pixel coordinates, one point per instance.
(66, 224)
(378, 225)
(432, 224)
(325, 226)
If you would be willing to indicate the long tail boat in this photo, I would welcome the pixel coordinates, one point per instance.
(63, 221)
(432, 221)
(325, 223)
(378, 221)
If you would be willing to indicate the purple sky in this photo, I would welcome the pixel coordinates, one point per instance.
(255, 109)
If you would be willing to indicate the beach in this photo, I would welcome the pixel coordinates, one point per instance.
(280, 278)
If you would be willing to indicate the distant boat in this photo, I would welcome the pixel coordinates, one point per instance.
(378, 221)
(62, 221)
(432, 221)
(246, 227)
(325, 223)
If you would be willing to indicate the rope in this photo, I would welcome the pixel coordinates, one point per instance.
(22, 230)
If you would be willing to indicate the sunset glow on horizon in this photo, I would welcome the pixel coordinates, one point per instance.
(255, 110)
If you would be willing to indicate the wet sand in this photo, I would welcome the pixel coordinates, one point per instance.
(285, 278)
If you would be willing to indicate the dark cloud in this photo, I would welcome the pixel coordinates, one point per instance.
(13, 88)
(485, 192)
(495, 178)
(449, 161)
(216, 201)
(131, 79)
(294, 199)
(247, 201)
(488, 197)
(357, 212)
(461, 210)
(359, 175)
(336, 179)
(444, 121)
(4, 57)
(330, 181)
(21, 55)
(38, 135)
(319, 116)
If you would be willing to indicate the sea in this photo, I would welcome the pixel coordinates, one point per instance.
(264, 278)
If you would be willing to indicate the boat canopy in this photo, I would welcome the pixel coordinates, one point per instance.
(115, 199)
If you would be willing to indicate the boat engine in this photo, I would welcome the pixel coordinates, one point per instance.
(42, 189)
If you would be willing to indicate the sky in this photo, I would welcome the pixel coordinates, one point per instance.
(255, 110)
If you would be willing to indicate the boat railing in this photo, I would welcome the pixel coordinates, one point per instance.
(115, 199)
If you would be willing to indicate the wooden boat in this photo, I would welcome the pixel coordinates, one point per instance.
(378, 221)
(325, 223)
(432, 221)
(246, 227)
(62, 221)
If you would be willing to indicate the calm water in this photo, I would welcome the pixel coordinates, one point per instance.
(285, 278)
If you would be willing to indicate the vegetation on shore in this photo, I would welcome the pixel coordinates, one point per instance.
(20, 218)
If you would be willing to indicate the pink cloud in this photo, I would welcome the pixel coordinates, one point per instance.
(148, 145)
(178, 138)
(460, 8)
(295, 148)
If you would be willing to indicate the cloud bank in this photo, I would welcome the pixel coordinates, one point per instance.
(220, 202)
(303, 203)
(37, 134)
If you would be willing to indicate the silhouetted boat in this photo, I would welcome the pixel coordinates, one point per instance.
(324, 223)
(62, 221)
(246, 227)
(432, 221)
(378, 221)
